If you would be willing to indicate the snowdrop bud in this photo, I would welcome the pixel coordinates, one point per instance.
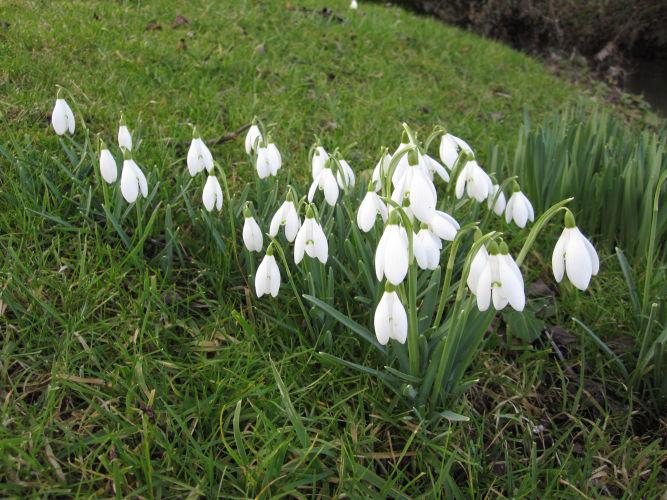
(287, 216)
(108, 167)
(62, 118)
(325, 181)
(212, 194)
(252, 234)
(252, 139)
(474, 181)
(124, 137)
(267, 278)
(519, 208)
(391, 255)
(499, 206)
(381, 170)
(132, 180)
(449, 151)
(199, 156)
(500, 281)
(345, 175)
(390, 320)
(318, 161)
(369, 209)
(354, 5)
(269, 160)
(311, 240)
(574, 255)
(426, 248)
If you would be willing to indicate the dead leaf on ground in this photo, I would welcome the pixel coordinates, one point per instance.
(179, 21)
(153, 26)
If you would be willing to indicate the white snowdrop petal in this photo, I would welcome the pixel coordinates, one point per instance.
(483, 289)
(381, 321)
(129, 185)
(108, 168)
(124, 138)
(399, 320)
(578, 264)
(512, 287)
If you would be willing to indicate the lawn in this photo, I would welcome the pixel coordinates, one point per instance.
(151, 369)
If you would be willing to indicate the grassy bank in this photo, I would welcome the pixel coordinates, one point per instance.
(120, 375)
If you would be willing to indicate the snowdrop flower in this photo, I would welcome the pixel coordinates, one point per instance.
(199, 157)
(325, 181)
(269, 160)
(426, 248)
(287, 216)
(391, 255)
(519, 208)
(403, 163)
(318, 161)
(390, 320)
(417, 188)
(474, 181)
(347, 179)
(381, 170)
(108, 167)
(124, 137)
(62, 118)
(443, 225)
(354, 5)
(449, 149)
(369, 209)
(574, 255)
(311, 240)
(500, 281)
(132, 180)
(267, 278)
(252, 234)
(252, 139)
(499, 206)
(212, 194)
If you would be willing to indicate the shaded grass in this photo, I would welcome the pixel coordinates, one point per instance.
(156, 376)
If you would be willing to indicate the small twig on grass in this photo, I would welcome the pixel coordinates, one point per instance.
(230, 136)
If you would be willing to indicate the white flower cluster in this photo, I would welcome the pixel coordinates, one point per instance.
(401, 193)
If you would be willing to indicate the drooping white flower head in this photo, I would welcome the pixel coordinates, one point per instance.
(132, 180)
(325, 181)
(519, 209)
(450, 146)
(267, 278)
(381, 170)
(318, 161)
(371, 206)
(574, 255)
(426, 248)
(474, 181)
(252, 139)
(402, 164)
(311, 240)
(499, 206)
(391, 255)
(416, 188)
(269, 160)
(124, 136)
(212, 194)
(62, 118)
(199, 157)
(354, 5)
(345, 175)
(500, 281)
(287, 216)
(390, 320)
(108, 167)
(443, 225)
(252, 234)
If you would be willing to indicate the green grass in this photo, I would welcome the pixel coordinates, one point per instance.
(159, 375)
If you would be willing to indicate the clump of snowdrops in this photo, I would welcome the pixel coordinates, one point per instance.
(419, 252)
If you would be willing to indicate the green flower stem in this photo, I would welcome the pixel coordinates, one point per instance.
(437, 131)
(449, 271)
(537, 228)
(650, 254)
(230, 214)
(386, 191)
(290, 278)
